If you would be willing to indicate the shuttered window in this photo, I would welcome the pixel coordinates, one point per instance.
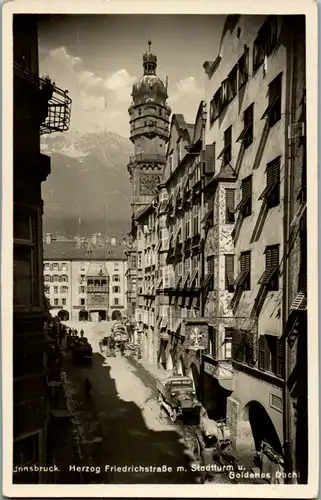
(210, 159)
(248, 126)
(229, 273)
(271, 355)
(245, 205)
(232, 77)
(244, 278)
(243, 65)
(271, 193)
(227, 146)
(265, 42)
(273, 111)
(237, 346)
(229, 206)
(270, 277)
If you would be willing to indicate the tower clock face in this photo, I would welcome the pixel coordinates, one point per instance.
(148, 184)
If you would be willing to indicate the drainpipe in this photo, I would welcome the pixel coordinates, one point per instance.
(287, 434)
(202, 248)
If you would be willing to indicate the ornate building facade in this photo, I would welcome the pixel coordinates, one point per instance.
(85, 279)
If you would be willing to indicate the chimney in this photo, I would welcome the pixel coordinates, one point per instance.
(113, 240)
(48, 238)
(95, 239)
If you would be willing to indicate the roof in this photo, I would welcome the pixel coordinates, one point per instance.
(70, 250)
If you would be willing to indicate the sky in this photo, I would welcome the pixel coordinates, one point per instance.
(99, 57)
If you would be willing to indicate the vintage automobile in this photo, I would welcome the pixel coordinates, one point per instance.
(177, 395)
(82, 352)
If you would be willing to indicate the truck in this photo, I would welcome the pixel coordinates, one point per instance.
(82, 352)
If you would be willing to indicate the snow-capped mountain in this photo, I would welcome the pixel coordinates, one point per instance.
(88, 189)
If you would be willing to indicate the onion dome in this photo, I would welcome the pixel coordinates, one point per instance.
(149, 87)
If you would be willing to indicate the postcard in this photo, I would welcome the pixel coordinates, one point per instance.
(160, 272)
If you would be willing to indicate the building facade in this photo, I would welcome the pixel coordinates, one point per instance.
(85, 279)
(149, 131)
(33, 114)
(249, 121)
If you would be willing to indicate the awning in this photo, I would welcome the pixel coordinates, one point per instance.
(208, 214)
(207, 280)
(178, 280)
(185, 279)
(159, 283)
(193, 278)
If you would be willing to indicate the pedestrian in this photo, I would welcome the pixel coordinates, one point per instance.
(112, 345)
(81, 333)
(87, 388)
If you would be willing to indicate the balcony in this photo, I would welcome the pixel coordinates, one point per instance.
(97, 289)
(146, 158)
(141, 200)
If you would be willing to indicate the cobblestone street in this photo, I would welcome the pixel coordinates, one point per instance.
(122, 424)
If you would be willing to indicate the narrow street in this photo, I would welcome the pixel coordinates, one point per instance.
(122, 425)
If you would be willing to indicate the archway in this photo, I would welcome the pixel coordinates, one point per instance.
(169, 362)
(83, 315)
(98, 315)
(194, 375)
(180, 367)
(116, 315)
(63, 315)
(261, 426)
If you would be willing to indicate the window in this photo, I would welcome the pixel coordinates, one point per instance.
(116, 264)
(226, 153)
(271, 355)
(178, 151)
(242, 346)
(26, 271)
(187, 224)
(229, 206)
(47, 278)
(64, 278)
(248, 126)
(55, 277)
(243, 65)
(271, 193)
(64, 302)
(210, 159)
(228, 343)
(265, 41)
(196, 229)
(211, 346)
(55, 289)
(82, 302)
(229, 273)
(64, 266)
(245, 205)
(56, 302)
(244, 278)
(82, 278)
(47, 266)
(270, 277)
(55, 266)
(216, 105)
(116, 289)
(273, 111)
(116, 302)
(232, 78)
(209, 277)
(116, 278)
(63, 289)
(82, 289)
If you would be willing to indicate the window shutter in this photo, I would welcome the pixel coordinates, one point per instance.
(273, 172)
(274, 89)
(247, 187)
(228, 137)
(272, 257)
(230, 199)
(210, 159)
(246, 261)
(262, 352)
(229, 264)
(280, 361)
(210, 265)
(236, 344)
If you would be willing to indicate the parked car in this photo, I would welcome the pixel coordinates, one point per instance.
(177, 395)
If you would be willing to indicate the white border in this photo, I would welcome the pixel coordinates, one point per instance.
(307, 7)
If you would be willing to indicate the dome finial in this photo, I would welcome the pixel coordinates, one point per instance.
(149, 44)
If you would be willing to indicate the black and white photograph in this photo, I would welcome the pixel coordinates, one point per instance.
(158, 167)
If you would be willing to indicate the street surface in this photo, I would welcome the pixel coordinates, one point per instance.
(126, 425)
